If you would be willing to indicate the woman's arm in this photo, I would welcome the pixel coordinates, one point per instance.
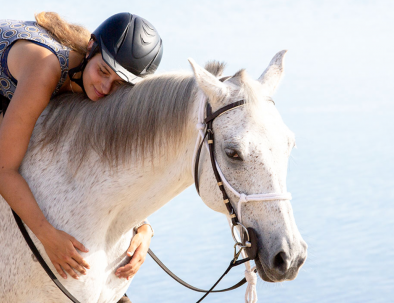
(38, 72)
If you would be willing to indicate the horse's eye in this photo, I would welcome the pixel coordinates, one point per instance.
(233, 154)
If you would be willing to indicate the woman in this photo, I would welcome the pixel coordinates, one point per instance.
(42, 59)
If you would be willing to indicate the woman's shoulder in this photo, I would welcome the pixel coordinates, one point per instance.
(12, 30)
(25, 55)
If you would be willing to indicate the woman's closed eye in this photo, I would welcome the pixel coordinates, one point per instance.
(103, 72)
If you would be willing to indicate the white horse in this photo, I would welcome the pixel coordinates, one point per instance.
(97, 169)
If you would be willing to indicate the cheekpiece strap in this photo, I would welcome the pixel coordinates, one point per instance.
(211, 143)
(209, 134)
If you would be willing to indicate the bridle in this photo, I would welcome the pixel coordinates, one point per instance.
(205, 122)
(247, 244)
(248, 241)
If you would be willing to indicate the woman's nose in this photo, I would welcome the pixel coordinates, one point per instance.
(106, 87)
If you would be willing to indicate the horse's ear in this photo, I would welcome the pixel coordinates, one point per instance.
(272, 75)
(207, 82)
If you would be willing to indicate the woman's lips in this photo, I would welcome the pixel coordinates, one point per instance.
(100, 95)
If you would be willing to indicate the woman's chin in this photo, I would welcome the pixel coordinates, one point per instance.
(92, 95)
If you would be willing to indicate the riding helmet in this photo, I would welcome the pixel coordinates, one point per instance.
(129, 44)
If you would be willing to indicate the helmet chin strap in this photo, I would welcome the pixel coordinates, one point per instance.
(81, 67)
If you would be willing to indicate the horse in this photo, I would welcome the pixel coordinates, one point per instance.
(97, 169)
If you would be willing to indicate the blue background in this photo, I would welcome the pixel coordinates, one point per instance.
(336, 97)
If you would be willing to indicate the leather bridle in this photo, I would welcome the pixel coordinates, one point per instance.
(205, 122)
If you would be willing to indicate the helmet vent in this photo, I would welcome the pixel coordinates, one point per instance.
(143, 42)
(121, 39)
(145, 24)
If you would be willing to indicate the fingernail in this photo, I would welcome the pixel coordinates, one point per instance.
(129, 253)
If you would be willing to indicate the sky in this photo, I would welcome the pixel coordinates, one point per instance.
(344, 39)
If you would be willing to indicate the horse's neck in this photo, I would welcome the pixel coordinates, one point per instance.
(147, 189)
(97, 202)
(123, 199)
(150, 186)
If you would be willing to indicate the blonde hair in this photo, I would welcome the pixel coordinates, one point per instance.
(74, 36)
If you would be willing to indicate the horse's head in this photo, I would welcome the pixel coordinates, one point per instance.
(252, 147)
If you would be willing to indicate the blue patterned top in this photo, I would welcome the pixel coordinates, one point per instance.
(11, 31)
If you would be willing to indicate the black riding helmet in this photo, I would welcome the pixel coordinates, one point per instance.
(129, 44)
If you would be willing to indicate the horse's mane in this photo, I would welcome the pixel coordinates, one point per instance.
(130, 121)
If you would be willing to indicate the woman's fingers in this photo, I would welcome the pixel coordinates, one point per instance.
(79, 245)
(137, 251)
(62, 248)
(77, 267)
(134, 265)
(81, 261)
(135, 242)
(70, 266)
(70, 271)
(60, 270)
(128, 271)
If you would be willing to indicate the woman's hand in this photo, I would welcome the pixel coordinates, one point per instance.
(137, 250)
(61, 250)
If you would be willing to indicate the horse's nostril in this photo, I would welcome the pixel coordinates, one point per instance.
(300, 262)
(280, 262)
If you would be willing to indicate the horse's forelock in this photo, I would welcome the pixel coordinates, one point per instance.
(247, 89)
(216, 68)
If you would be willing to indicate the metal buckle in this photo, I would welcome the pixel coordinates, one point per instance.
(236, 254)
(240, 244)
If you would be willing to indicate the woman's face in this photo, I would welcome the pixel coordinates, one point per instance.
(99, 79)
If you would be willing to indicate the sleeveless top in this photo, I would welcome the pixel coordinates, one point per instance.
(10, 32)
